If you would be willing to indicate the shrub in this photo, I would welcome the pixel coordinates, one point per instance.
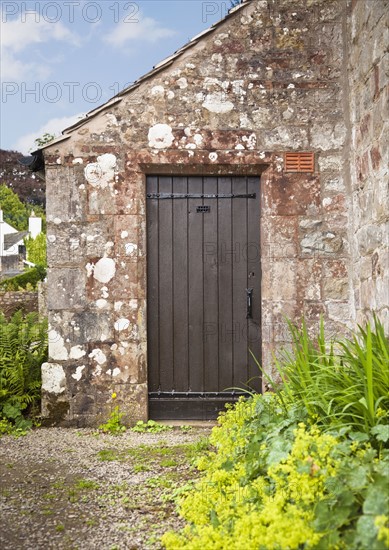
(26, 280)
(306, 467)
(342, 383)
(23, 349)
(275, 483)
(36, 249)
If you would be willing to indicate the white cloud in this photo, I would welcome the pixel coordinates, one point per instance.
(18, 35)
(53, 126)
(14, 70)
(145, 29)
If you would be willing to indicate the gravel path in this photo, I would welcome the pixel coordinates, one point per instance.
(78, 489)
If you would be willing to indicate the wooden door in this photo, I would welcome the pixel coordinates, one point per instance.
(203, 298)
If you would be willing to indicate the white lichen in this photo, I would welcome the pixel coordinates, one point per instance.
(98, 356)
(101, 173)
(78, 374)
(182, 83)
(76, 352)
(122, 324)
(104, 270)
(216, 102)
(131, 248)
(57, 349)
(160, 136)
(53, 378)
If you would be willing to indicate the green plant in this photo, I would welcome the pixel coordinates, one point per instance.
(36, 249)
(339, 383)
(150, 427)
(16, 212)
(185, 428)
(109, 455)
(44, 139)
(23, 349)
(8, 428)
(141, 468)
(158, 481)
(27, 280)
(86, 484)
(114, 423)
(305, 467)
(168, 463)
(275, 482)
(13, 414)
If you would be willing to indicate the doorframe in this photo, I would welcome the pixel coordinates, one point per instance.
(214, 170)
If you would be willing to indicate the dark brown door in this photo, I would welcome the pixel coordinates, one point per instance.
(204, 278)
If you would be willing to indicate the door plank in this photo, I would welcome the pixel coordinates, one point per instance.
(239, 284)
(152, 287)
(254, 280)
(165, 286)
(211, 294)
(195, 284)
(180, 287)
(226, 254)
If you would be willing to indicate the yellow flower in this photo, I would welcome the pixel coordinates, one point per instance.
(114, 395)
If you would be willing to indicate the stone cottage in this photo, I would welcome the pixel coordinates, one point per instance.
(242, 181)
(12, 246)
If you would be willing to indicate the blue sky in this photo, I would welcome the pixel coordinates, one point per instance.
(60, 59)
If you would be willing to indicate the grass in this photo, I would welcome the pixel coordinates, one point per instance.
(169, 463)
(146, 457)
(342, 383)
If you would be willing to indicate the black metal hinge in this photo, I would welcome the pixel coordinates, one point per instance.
(197, 395)
(161, 196)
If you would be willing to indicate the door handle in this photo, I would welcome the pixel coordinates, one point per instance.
(249, 296)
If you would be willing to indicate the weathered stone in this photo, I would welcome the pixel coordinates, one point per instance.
(369, 238)
(67, 288)
(279, 237)
(328, 136)
(319, 241)
(288, 198)
(338, 311)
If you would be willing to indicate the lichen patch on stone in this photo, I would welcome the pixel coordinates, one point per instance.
(53, 378)
(104, 270)
(160, 136)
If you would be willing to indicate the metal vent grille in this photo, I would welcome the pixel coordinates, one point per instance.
(299, 162)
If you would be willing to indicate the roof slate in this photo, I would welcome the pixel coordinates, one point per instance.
(13, 238)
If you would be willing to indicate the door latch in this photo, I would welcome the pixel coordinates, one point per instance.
(249, 295)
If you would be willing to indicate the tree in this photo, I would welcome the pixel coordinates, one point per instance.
(16, 213)
(36, 249)
(29, 187)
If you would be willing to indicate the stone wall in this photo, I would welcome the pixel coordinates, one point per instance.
(369, 158)
(18, 300)
(271, 78)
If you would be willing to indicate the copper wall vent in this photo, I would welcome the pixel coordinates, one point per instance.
(299, 162)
